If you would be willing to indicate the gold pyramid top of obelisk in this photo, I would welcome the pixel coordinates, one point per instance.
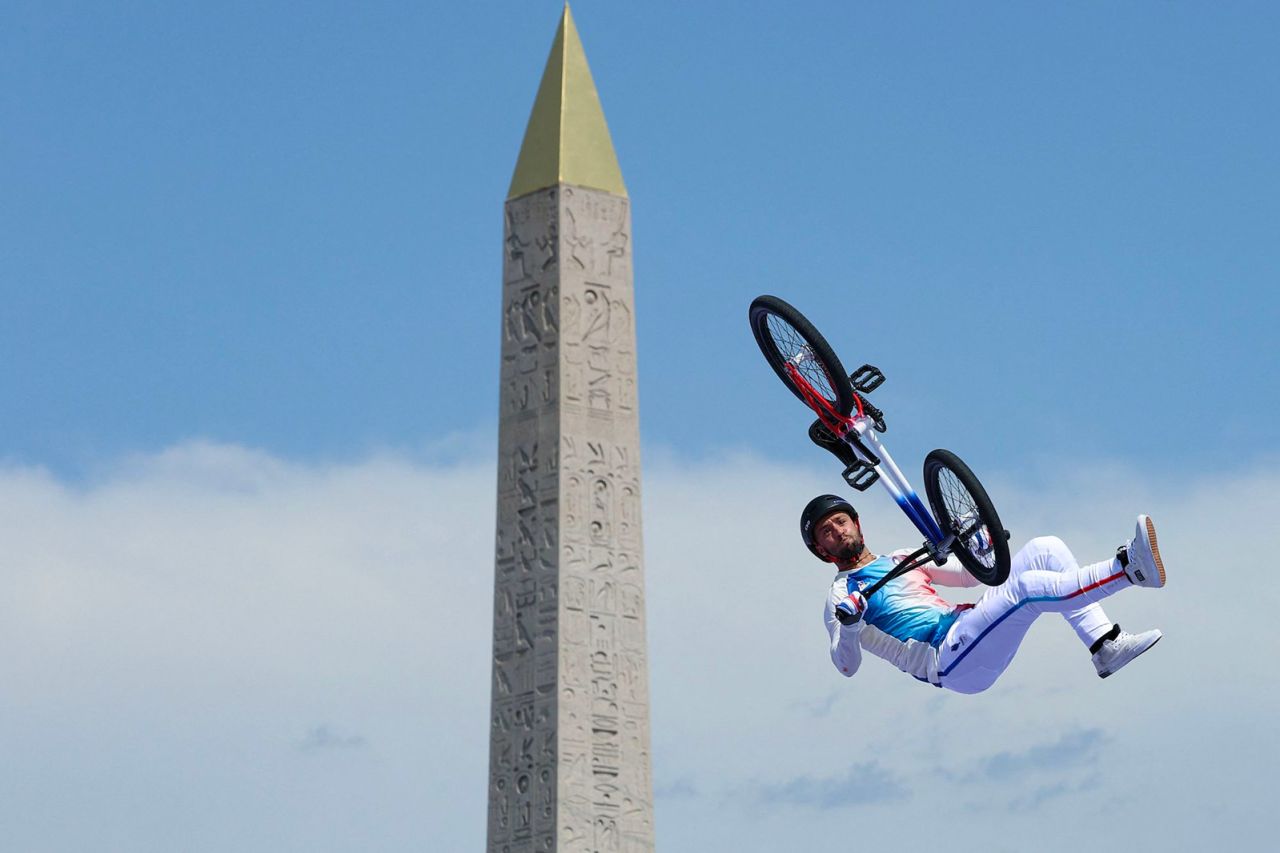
(567, 140)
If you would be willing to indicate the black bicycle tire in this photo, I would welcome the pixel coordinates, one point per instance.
(934, 463)
(764, 306)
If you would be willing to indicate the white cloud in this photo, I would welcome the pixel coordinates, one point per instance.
(1072, 748)
(856, 786)
(212, 648)
(173, 629)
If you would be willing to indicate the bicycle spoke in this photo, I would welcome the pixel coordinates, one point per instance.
(793, 348)
(961, 507)
(964, 512)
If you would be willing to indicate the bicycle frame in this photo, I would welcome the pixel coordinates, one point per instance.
(858, 431)
(895, 482)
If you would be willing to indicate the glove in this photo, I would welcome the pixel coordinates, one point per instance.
(850, 610)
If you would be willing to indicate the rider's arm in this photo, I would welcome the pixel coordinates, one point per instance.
(950, 573)
(846, 648)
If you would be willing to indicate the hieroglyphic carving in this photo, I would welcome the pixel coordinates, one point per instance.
(598, 329)
(531, 305)
(523, 745)
(602, 241)
(600, 531)
(569, 752)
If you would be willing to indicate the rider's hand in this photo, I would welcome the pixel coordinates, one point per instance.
(850, 610)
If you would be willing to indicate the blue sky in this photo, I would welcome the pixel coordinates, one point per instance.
(280, 225)
(249, 328)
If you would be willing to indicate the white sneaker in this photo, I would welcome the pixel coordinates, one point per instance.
(1145, 567)
(1124, 648)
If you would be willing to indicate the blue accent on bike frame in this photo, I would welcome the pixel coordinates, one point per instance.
(935, 531)
(920, 517)
(904, 503)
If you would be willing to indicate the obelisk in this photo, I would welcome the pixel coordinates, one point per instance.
(569, 741)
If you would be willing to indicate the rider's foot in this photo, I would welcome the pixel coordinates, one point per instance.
(826, 439)
(1116, 653)
(1141, 556)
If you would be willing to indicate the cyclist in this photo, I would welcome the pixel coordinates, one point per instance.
(966, 647)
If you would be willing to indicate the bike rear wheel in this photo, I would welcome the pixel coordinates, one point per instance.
(791, 343)
(961, 506)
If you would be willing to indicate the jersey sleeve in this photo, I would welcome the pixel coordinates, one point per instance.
(846, 644)
(950, 573)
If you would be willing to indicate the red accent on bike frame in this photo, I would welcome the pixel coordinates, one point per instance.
(834, 421)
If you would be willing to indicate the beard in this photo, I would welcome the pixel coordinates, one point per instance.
(850, 550)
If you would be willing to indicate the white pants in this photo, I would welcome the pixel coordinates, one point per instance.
(1044, 578)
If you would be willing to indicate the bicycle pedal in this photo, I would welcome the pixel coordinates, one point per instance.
(861, 475)
(866, 378)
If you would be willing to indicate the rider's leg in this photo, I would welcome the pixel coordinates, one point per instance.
(977, 650)
(1110, 648)
(1090, 624)
(1044, 578)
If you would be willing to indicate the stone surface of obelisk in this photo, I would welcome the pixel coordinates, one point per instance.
(569, 741)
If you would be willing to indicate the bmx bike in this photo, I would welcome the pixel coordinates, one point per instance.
(963, 521)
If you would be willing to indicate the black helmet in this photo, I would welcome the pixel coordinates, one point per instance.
(818, 509)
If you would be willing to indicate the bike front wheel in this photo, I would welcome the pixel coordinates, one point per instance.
(801, 357)
(961, 506)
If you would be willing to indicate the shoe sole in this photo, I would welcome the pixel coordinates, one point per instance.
(1132, 659)
(1155, 550)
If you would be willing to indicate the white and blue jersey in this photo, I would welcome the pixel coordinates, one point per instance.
(905, 621)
